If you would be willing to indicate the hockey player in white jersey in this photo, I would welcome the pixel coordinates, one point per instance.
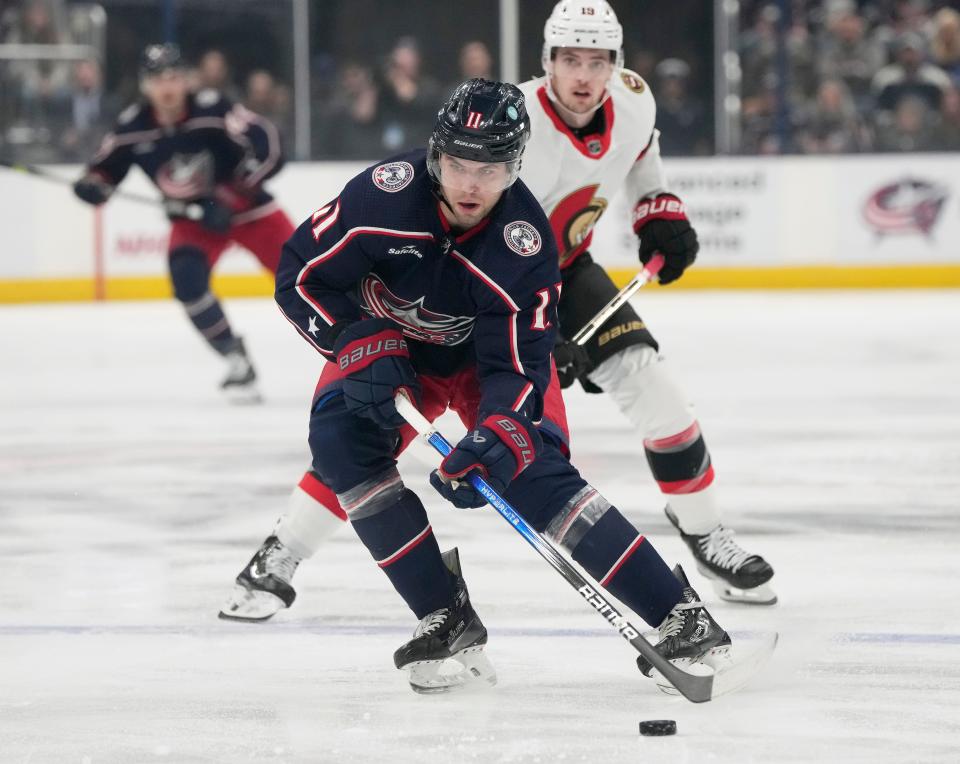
(593, 127)
(593, 130)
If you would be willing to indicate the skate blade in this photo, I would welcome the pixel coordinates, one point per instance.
(744, 664)
(758, 595)
(468, 669)
(709, 663)
(250, 605)
(242, 395)
(735, 669)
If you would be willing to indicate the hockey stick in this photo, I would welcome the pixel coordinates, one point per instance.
(695, 688)
(620, 298)
(191, 211)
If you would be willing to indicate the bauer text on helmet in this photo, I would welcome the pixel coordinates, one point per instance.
(479, 137)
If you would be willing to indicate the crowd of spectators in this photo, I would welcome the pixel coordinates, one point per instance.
(878, 76)
(58, 110)
(383, 108)
(818, 77)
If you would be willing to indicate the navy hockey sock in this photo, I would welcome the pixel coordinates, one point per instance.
(190, 275)
(604, 542)
(210, 320)
(392, 523)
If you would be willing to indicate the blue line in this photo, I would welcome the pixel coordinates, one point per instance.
(332, 629)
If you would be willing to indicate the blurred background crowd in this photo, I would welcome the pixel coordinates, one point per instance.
(813, 76)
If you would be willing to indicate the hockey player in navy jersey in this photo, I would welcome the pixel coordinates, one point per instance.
(436, 273)
(209, 158)
(592, 134)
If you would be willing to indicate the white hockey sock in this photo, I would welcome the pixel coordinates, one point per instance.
(307, 523)
(637, 380)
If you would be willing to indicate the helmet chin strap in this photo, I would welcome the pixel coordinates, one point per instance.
(566, 113)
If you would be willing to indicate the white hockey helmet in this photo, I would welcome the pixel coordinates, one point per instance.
(582, 24)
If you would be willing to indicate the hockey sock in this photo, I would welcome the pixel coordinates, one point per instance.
(611, 550)
(640, 383)
(313, 515)
(392, 523)
(207, 315)
(681, 466)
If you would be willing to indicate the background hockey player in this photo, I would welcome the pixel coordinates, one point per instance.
(435, 273)
(593, 132)
(209, 158)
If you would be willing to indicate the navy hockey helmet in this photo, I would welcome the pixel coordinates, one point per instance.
(483, 121)
(158, 58)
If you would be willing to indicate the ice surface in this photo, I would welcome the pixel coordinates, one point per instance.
(130, 496)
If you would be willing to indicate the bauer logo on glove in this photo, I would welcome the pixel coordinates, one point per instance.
(500, 448)
(362, 354)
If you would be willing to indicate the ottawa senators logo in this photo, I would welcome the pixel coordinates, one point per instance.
(633, 81)
(393, 176)
(573, 220)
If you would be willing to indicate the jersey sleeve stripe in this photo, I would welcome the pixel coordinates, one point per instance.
(502, 294)
(273, 153)
(344, 240)
(522, 398)
(646, 148)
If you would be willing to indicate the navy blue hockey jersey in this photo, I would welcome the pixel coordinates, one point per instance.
(486, 297)
(218, 150)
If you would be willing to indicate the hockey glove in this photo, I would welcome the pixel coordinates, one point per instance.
(93, 189)
(572, 362)
(662, 225)
(216, 217)
(499, 449)
(375, 360)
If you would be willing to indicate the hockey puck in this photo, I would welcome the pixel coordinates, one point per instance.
(658, 727)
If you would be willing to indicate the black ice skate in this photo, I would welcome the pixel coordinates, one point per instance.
(736, 575)
(688, 638)
(240, 384)
(446, 651)
(263, 586)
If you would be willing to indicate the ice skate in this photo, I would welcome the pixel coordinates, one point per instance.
(240, 384)
(736, 575)
(263, 586)
(689, 638)
(446, 651)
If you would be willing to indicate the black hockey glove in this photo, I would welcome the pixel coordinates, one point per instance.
(216, 217)
(93, 189)
(662, 225)
(375, 359)
(500, 448)
(209, 213)
(572, 362)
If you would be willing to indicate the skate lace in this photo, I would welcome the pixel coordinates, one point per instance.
(279, 561)
(719, 547)
(432, 622)
(673, 625)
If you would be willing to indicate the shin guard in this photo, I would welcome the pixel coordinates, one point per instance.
(392, 523)
(614, 553)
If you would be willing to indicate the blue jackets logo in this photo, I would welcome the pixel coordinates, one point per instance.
(393, 176)
(522, 238)
(417, 322)
(909, 206)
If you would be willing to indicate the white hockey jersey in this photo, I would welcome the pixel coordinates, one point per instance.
(573, 178)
